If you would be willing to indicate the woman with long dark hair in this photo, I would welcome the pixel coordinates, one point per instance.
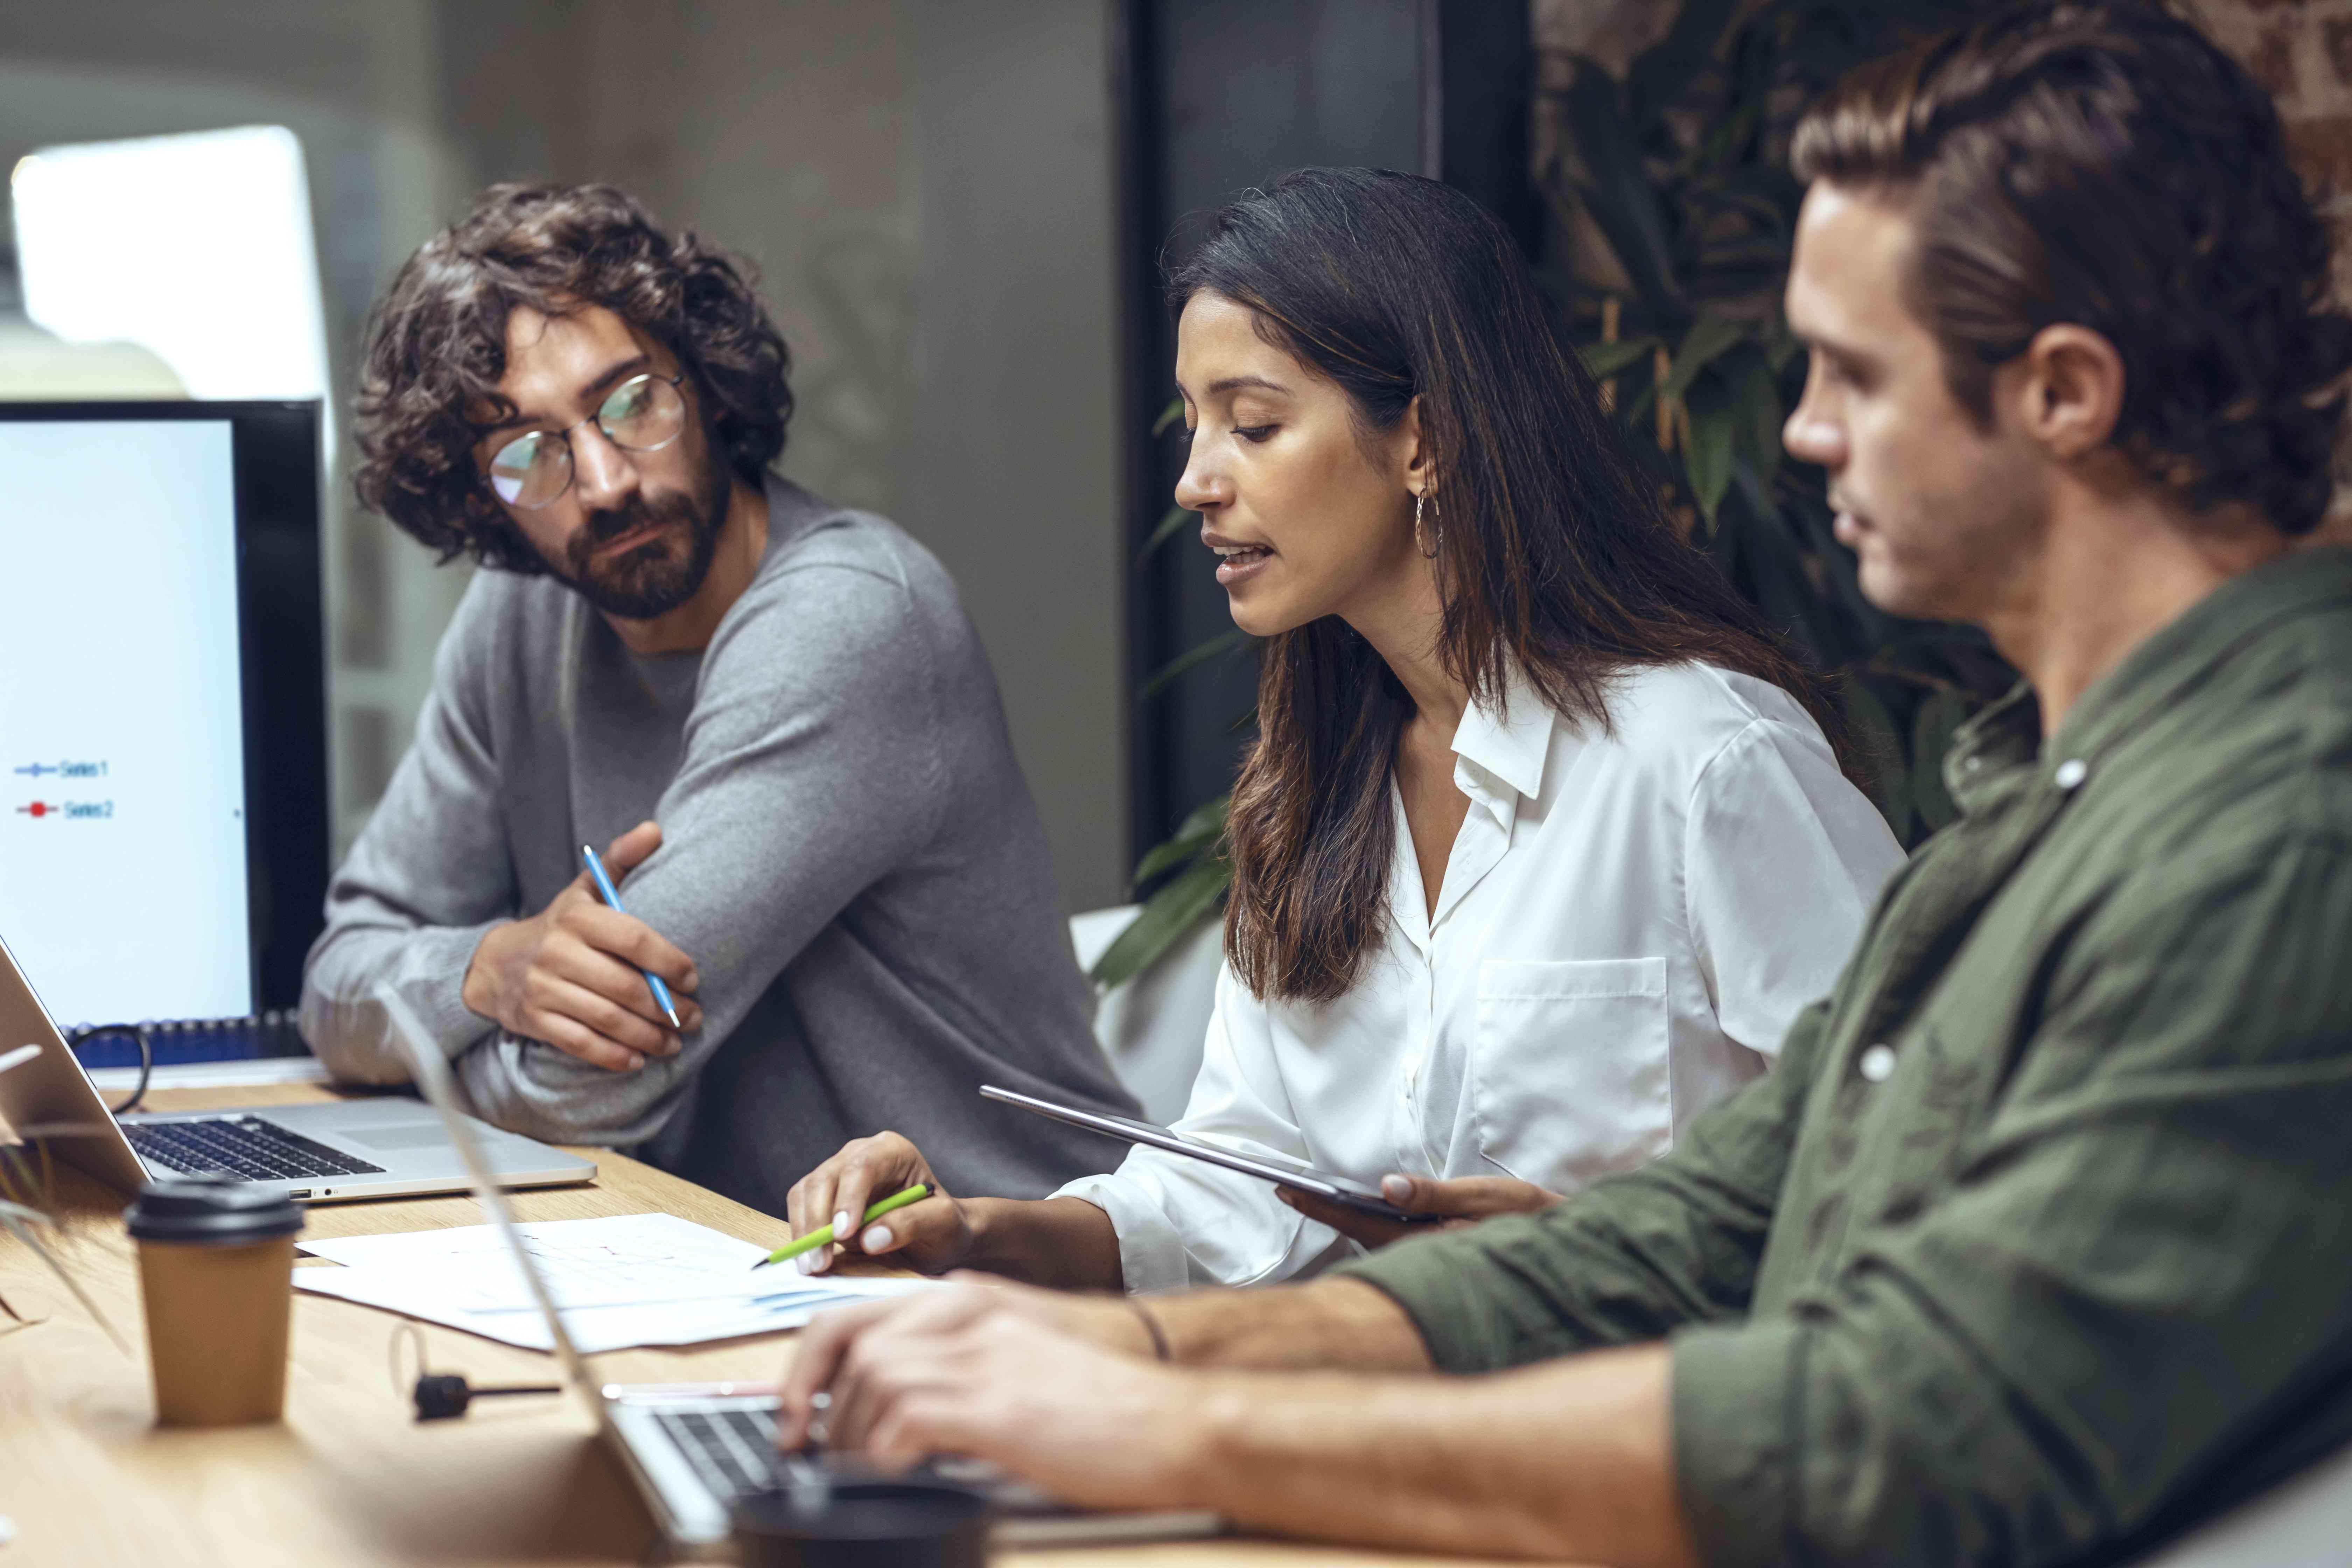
(1544, 840)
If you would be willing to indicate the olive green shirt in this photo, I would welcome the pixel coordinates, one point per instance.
(2038, 1244)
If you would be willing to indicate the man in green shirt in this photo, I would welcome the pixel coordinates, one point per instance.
(2036, 1246)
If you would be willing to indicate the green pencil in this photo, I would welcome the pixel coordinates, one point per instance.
(825, 1237)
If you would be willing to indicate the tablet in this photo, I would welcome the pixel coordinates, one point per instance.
(1281, 1170)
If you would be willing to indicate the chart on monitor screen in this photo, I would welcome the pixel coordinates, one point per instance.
(120, 732)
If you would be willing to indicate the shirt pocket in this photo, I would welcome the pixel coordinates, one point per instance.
(1568, 1072)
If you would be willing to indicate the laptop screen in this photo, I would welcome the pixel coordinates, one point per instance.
(123, 833)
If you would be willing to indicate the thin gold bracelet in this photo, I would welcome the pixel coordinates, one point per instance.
(1152, 1326)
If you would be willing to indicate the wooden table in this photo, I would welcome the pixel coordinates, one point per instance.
(350, 1477)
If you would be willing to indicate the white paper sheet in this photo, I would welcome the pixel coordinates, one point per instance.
(623, 1281)
(617, 1261)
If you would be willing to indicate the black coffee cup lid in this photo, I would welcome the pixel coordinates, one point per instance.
(212, 1211)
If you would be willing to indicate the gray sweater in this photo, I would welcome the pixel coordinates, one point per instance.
(850, 858)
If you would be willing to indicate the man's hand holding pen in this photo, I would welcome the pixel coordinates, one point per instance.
(573, 975)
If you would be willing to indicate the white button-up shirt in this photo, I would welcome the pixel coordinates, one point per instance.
(1628, 924)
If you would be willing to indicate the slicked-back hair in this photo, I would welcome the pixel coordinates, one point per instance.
(435, 351)
(2106, 166)
(1556, 555)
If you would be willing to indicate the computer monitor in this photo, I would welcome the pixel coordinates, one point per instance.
(163, 725)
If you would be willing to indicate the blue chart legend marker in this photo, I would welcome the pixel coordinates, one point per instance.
(36, 769)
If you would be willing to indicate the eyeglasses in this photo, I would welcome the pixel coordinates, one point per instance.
(643, 413)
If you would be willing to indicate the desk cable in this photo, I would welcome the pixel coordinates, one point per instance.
(442, 1395)
(138, 1032)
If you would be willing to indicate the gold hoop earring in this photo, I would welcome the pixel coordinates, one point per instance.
(1428, 551)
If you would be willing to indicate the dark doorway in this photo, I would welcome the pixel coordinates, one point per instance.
(1219, 96)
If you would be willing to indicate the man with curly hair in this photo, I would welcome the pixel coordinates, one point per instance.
(772, 709)
(2033, 1248)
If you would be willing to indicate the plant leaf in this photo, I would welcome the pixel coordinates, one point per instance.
(1207, 817)
(1172, 524)
(1166, 916)
(1605, 359)
(1216, 647)
(20, 1221)
(1708, 336)
(1196, 838)
(1171, 414)
(1660, 71)
(1757, 412)
(1711, 434)
(1574, 290)
(1163, 857)
(1617, 192)
(1751, 197)
(1631, 233)
(1677, 171)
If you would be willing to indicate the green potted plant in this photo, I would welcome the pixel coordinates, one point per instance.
(1678, 173)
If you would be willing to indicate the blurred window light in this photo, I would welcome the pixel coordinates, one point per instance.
(197, 248)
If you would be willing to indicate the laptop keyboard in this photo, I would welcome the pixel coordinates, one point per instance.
(734, 1451)
(242, 1146)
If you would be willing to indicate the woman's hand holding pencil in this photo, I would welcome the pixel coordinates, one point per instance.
(825, 1236)
(931, 1235)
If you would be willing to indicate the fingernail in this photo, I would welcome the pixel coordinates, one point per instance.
(841, 1225)
(807, 1262)
(693, 980)
(878, 1240)
(1396, 1189)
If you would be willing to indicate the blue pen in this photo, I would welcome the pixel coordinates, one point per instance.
(612, 898)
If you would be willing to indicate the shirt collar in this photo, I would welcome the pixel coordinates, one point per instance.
(2249, 607)
(1510, 742)
(1992, 746)
(2240, 612)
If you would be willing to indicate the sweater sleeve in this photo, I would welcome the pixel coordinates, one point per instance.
(813, 764)
(429, 874)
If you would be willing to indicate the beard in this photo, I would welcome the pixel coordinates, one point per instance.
(656, 576)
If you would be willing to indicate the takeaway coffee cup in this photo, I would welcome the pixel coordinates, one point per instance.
(864, 1524)
(216, 1269)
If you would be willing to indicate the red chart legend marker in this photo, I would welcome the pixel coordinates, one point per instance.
(39, 808)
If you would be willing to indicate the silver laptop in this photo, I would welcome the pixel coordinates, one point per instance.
(385, 1147)
(691, 1450)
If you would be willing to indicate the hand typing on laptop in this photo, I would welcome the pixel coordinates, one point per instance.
(573, 974)
(962, 1369)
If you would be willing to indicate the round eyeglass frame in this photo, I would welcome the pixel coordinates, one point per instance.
(563, 439)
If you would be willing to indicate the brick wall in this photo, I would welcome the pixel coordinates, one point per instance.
(2302, 51)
